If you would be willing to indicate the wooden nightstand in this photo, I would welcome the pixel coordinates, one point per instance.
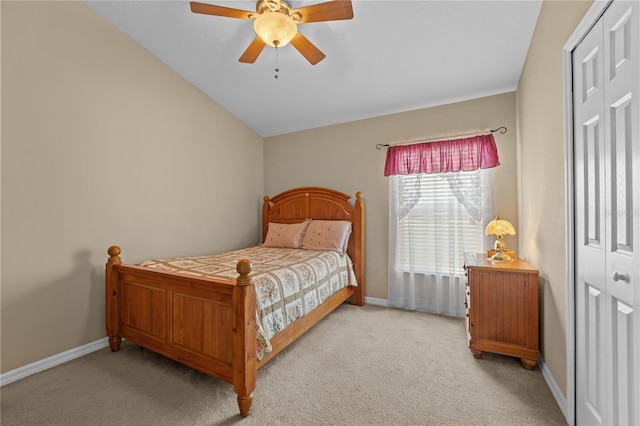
(502, 308)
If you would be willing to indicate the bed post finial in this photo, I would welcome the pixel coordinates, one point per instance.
(244, 269)
(114, 254)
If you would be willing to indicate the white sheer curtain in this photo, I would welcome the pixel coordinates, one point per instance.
(433, 220)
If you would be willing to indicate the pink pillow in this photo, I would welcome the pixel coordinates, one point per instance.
(327, 235)
(285, 235)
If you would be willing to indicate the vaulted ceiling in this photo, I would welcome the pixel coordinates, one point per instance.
(393, 56)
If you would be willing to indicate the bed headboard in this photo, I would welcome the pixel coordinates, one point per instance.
(298, 204)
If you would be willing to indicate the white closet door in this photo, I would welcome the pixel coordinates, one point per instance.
(622, 180)
(588, 100)
(607, 222)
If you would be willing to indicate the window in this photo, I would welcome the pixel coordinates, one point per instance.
(439, 203)
(438, 229)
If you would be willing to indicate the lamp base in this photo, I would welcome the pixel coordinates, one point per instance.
(501, 256)
(510, 253)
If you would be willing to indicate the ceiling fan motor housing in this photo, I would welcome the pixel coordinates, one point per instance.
(282, 6)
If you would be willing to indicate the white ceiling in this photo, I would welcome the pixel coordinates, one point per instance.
(393, 56)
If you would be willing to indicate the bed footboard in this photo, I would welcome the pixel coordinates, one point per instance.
(207, 324)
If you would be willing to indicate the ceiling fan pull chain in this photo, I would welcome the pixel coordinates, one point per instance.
(277, 69)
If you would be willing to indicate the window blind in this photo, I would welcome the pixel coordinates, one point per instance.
(433, 236)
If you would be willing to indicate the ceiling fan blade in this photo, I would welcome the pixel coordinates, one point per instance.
(328, 11)
(307, 49)
(253, 51)
(228, 12)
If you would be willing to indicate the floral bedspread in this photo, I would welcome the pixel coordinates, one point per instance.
(289, 282)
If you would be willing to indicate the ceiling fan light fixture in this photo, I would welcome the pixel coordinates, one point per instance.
(276, 24)
(275, 28)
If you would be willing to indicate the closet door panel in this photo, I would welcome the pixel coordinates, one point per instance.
(622, 76)
(589, 168)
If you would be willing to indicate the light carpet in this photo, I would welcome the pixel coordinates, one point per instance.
(359, 366)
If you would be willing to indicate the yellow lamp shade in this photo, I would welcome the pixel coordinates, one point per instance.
(499, 227)
(275, 29)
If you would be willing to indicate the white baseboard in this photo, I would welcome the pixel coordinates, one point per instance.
(52, 361)
(375, 301)
(553, 386)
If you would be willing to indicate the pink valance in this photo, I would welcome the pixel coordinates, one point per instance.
(477, 152)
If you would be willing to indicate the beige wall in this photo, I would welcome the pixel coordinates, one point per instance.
(103, 144)
(344, 157)
(541, 172)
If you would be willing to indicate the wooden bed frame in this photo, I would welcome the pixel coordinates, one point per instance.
(210, 324)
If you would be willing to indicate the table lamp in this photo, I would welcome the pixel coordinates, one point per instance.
(499, 228)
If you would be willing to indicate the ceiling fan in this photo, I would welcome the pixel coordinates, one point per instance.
(276, 24)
